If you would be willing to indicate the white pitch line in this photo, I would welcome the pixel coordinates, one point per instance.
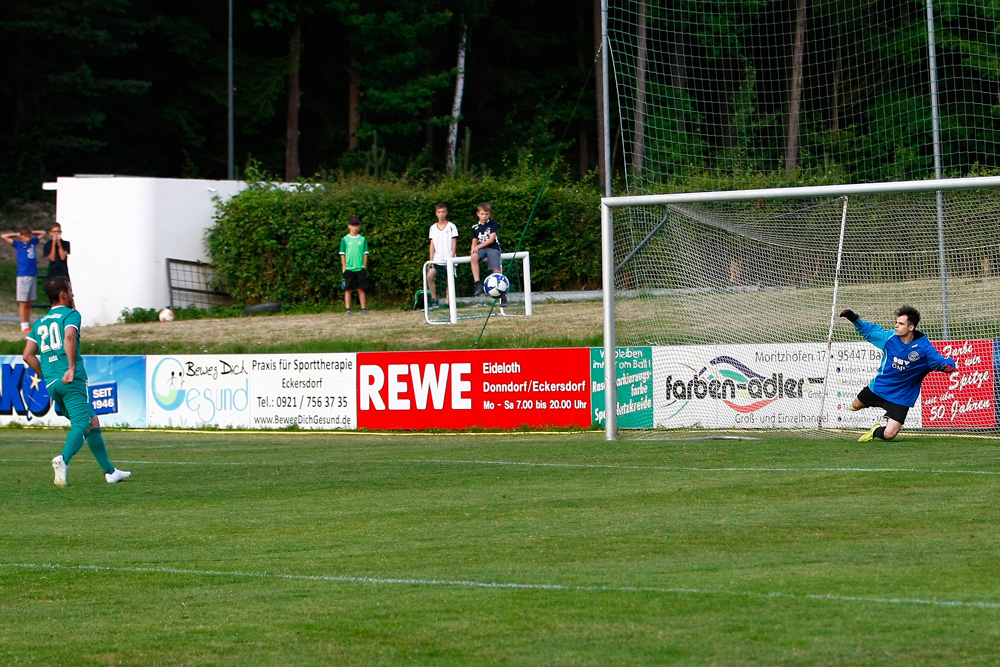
(164, 463)
(542, 464)
(406, 581)
(601, 466)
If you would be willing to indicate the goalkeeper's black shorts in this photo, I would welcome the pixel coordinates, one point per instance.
(892, 410)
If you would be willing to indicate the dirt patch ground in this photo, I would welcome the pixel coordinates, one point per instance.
(391, 330)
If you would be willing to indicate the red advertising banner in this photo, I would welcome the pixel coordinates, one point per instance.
(460, 389)
(963, 398)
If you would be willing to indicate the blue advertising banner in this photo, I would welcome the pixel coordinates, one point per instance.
(117, 392)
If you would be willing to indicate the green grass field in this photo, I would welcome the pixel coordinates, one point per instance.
(354, 549)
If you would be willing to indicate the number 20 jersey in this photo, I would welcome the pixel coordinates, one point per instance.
(49, 333)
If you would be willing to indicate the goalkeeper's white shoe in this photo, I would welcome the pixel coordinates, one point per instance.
(117, 476)
(870, 434)
(59, 466)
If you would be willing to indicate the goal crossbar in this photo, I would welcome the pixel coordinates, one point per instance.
(805, 191)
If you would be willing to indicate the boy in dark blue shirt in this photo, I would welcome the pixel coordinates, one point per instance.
(907, 357)
(485, 245)
(57, 252)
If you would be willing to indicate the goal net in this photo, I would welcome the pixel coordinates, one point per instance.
(821, 92)
(724, 305)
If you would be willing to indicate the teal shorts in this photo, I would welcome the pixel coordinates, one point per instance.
(73, 401)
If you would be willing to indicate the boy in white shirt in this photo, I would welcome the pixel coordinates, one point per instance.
(443, 245)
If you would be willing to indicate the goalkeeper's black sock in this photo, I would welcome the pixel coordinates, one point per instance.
(879, 433)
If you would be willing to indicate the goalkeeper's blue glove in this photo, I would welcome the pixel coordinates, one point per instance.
(850, 314)
(947, 368)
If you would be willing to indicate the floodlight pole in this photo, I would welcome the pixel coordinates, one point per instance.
(938, 171)
(606, 94)
(608, 250)
(230, 163)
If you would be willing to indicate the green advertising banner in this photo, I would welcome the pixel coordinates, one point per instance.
(634, 373)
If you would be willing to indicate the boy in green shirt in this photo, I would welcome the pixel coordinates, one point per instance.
(53, 352)
(354, 264)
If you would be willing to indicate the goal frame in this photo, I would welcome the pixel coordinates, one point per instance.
(608, 269)
(452, 262)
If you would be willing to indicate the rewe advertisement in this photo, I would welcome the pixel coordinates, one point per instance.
(466, 389)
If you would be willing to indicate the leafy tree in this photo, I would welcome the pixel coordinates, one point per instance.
(397, 77)
(60, 85)
(291, 15)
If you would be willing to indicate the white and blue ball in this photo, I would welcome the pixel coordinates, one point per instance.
(496, 285)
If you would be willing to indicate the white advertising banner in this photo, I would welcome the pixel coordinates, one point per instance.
(310, 391)
(313, 391)
(763, 386)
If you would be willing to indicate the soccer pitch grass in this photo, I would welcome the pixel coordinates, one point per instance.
(361, 549)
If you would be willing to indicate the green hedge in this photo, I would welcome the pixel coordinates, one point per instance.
(274, 243)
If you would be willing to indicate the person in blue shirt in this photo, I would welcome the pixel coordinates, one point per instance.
(25, 245)
(907, 357)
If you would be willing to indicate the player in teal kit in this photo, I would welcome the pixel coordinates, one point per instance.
(907, 357)
(53, 352)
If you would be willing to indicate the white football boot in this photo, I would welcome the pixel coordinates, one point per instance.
(117, 476)
(60, 467)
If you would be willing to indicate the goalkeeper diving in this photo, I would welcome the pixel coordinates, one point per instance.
(907, 357)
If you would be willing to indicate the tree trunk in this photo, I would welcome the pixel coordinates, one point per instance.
(583, 128)
(429, 136)
(639, 124)
(795, 91)
(456, 105)
(834, 105)
(353, 104)
(838, 65)
(678, 75)
(292, 167)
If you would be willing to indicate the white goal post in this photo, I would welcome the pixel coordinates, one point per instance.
(451, 263)
(720, 278)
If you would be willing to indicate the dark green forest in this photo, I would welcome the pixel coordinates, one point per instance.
(321, 87)
(714, 94)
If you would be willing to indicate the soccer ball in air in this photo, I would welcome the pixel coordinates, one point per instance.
(166, 315)
(496, 285)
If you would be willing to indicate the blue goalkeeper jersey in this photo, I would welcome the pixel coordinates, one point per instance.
(904, 365)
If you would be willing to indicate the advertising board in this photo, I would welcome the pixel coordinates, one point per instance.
(117, 392)
(634, 378)
(467, 389)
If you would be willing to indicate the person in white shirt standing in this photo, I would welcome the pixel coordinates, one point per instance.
(444, 245)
